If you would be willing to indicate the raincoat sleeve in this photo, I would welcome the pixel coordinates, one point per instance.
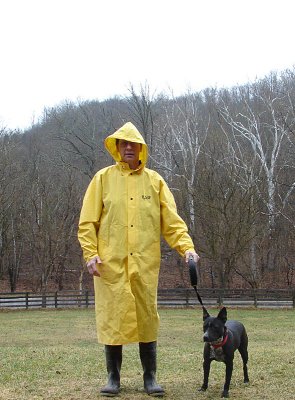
(90, 217)
(173, 228)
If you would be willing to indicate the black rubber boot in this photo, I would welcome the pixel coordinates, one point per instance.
(113, 361)
(148, 357)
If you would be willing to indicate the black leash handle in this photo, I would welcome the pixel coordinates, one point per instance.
(192, 265)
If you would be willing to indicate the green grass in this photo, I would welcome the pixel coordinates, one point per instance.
(54, 355)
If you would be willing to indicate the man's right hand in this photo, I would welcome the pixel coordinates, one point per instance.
(91, 266)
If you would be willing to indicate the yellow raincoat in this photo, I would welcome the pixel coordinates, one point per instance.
(124, 213)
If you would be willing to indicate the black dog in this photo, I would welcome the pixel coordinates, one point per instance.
(221, 340)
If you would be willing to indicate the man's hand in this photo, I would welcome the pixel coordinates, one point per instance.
(91, 266)
(192, 254)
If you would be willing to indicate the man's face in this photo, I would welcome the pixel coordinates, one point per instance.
(129, 152)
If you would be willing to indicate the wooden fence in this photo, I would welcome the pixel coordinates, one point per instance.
(181, 297)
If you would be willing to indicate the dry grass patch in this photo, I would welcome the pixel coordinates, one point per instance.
(53, 355)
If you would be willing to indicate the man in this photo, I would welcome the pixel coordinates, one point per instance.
(125, 210)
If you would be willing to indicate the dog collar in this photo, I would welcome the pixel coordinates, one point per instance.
(222, 343)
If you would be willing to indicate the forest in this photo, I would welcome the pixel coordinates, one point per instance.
(228, 155)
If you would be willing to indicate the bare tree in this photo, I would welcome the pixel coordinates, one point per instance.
(259, 123)
(226, 212)
(11, 245)
(79, 132)
(184, 130)
(142, 107)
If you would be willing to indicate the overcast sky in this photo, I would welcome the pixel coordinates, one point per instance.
(56, 50)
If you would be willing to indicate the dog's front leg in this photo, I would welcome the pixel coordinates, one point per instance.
(228, 373)
(206, 369)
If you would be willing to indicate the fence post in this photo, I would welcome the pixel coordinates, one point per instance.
(55, 299)
(187, 297)
(43, 300)
(220, 297)
(293, 295)
(27, 300)
(255, 298)
(86, 298)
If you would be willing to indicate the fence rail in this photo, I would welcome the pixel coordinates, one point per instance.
(180, 297)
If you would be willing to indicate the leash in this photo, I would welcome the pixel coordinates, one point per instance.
(194, 282)
(192, 266)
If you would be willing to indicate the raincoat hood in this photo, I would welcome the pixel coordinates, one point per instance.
(130, 133)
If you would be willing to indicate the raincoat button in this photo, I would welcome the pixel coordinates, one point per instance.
(131, 226)
(131, 254)
(131, 198)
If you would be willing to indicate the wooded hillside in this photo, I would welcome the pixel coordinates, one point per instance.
(228, 155)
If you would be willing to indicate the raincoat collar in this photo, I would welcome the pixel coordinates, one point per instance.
(124, 167)
(127, 132)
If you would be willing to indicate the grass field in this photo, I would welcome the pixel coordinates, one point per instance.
(54, 355)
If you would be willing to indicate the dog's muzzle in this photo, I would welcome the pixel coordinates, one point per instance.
(214, 343)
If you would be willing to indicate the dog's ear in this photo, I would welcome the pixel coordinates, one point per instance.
(222, 315)
(205, 314)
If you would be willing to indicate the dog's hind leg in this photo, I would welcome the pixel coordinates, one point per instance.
(243, 349)
(244, 355)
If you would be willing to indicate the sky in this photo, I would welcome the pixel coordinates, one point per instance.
(59, 50)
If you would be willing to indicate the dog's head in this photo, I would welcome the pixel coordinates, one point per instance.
(214, 327)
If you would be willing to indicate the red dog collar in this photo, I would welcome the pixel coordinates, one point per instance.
(216, 346)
